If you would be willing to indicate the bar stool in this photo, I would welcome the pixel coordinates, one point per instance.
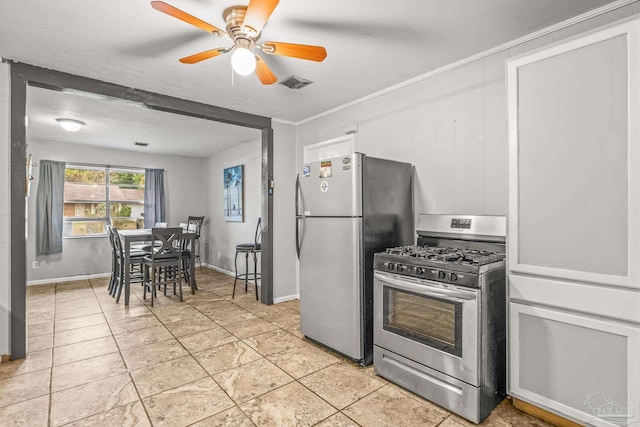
(247, 249)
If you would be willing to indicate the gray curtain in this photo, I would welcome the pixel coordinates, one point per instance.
(50, 208)
(154, 203)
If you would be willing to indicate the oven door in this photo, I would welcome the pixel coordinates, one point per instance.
(432, 323)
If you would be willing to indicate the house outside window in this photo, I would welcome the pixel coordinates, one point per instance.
(95, 196)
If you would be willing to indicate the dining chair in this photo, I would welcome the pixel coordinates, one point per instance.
(114, 261)
(247, 249)
(185, 248)
(196, 222)
(164, 264)
(118, 274)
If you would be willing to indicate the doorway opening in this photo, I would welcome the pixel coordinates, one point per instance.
(24, 76)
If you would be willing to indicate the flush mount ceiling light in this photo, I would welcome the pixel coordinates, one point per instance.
(244, 28)
(70, 125)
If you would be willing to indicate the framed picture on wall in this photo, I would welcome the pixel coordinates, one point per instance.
(233, 179)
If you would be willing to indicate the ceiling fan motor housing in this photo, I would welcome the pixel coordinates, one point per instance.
(234, 17)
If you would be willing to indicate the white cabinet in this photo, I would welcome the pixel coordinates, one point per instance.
(574, 226)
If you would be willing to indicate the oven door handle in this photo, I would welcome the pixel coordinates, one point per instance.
(427, 290)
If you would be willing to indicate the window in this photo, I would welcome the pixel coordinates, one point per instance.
(95, 196)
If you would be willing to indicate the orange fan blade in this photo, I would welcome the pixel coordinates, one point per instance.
(202, 56)
(264, 73)
(302, 51)
(184, 16)
(258, 12)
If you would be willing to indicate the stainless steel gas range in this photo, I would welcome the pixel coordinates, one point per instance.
(439, 313)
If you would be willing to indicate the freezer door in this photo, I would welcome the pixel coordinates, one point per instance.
(331, 187)
(331, 306)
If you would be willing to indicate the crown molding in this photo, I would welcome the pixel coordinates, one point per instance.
(513, 43)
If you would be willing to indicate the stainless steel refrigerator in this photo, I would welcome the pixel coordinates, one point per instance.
(348, 208)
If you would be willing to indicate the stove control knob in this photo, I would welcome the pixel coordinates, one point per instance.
(399, 267)
(453, 277)
(442, 275)
(419, 271)
(391, 266)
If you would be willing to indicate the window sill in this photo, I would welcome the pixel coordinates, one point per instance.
(90, 236)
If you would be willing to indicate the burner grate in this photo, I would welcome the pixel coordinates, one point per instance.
(448, 254)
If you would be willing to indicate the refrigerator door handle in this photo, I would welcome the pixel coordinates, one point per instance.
(299, 218)
(298, 195)
(299, 232)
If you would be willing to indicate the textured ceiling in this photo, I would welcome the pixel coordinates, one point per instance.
(117, 125)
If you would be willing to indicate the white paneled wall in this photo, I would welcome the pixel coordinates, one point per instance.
(451, 126)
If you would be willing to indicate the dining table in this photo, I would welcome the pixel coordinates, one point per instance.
(145, 235)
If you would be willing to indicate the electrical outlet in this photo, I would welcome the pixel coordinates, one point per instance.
(35, 265)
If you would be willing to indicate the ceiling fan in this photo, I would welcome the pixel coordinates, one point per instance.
(244, 25)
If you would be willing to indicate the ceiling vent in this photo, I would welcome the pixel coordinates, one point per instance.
(294, 82)
(140, 144)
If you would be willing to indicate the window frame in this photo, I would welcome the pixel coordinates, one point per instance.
(108, 202)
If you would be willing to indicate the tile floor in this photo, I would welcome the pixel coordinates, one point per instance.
(208, 361)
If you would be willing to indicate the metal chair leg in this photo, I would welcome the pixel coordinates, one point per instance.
(153, 284)
(246, 270)
(235, 264)
(255, 272)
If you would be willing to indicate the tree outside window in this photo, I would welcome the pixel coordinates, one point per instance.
(97, 196)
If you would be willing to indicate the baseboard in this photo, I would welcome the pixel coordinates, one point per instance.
(543, 414)
(5, 358)
(67, 279)
(220, 269)
(101, 275)
(232, 274)
(285, 298)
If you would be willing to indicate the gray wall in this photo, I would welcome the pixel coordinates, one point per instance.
(87, 256)
(223, 236)
(5, 209)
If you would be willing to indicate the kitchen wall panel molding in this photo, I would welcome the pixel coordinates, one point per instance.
(575, 365)
(573, 235)
(574, 145)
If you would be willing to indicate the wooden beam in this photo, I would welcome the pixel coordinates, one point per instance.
(57, 80)
(18, 327)
(266, 255)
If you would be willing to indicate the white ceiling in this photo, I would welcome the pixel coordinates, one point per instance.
(371, 45)
(117, 125)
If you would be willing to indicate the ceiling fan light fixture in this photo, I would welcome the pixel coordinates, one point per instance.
(243, 61)
(244, 26)
(70, 125)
